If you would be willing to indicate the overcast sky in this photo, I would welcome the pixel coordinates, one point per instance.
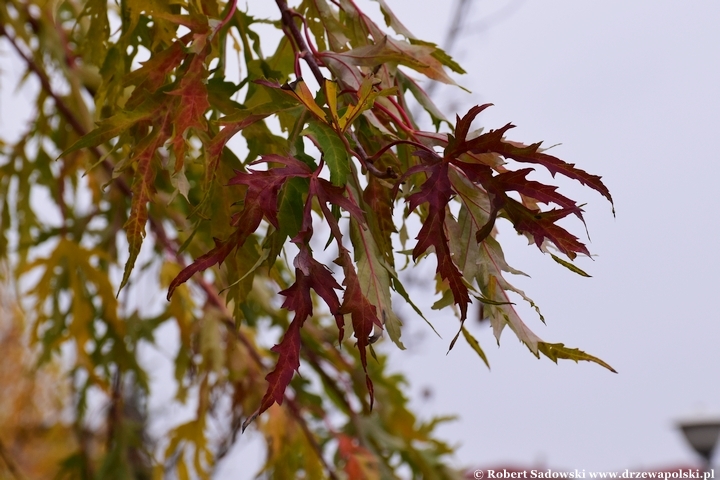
(630, 90)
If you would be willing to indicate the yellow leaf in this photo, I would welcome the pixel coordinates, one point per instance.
(301, 92)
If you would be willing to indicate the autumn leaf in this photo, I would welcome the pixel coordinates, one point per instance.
(388, 50)
(309, 274)
(373, 275)
(299, 90)
(475, 345)
(115, 125)
(193, 105)
(558, 350)
(261, 200)
(360, 464)
(153, 73)
(362, 314)
(436, 191)
(142, 190)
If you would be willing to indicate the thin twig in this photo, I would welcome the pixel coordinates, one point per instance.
(306, 54)
(295, 411)
(45, 83)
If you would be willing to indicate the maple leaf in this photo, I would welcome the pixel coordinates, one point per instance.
(360, 463)
(326, 193)
(193, 105)
(300, 92)
(492, 142)
(142, 189)
(309, 274)
(261, 200)
(436, 191)
(554, 351)
(542, 226)
(417, 56)
(554, 165)
(153, 73)
(333, 149)
(374, 276)
(539, 225)
(110, 128)
(362, 313)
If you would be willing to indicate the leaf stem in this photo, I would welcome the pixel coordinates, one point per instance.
(398, 142)
(231, 12)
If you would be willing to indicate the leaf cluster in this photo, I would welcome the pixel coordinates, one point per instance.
(273, 202)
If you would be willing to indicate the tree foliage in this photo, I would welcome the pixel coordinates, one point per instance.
(283, 198)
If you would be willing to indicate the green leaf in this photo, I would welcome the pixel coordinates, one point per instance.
(475, 345)
(440, 54)
(570, 266)
(558, 350)
(290, 210)
(372, 272)
(333, 150)
(115, 125)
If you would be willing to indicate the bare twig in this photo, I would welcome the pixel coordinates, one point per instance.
(462, 11)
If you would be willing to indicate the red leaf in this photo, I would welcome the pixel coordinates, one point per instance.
(309, 273)
(436, 192)
(288, 351)
(492, 142)
(359, 461)
(215, 256)
(264, 185)
(517, 181)
(326, 193)
(193, 105)
(261, 200)
(541, 225)
(554, 165)
(362, 313)
(462, 128)
(153, 72)
(142, 189)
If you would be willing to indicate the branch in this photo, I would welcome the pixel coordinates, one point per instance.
(368, 162)
(231, 12)
(305, 53)
(45, 83)
(295, 411)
